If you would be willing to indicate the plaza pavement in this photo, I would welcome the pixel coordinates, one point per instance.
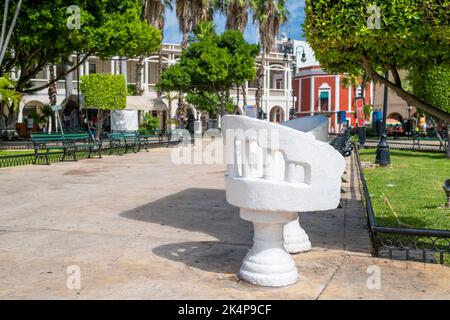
(139, 227)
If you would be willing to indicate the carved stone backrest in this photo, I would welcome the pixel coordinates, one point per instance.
(273, 167)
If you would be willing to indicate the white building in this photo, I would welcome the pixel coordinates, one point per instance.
(276, 98)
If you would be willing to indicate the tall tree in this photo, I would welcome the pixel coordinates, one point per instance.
(210, 66)
(236, 12)
(270, 16)
(190, 13)
(104, 92)
(153, 11)
(349, 36)
(42, 36)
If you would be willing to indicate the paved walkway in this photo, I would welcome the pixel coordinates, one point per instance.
(140, 227)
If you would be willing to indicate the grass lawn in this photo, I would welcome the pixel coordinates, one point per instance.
(410, 193)
(14, 152)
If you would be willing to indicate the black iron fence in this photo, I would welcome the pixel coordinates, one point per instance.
(25, 157)
(411, 145)
(426, 245)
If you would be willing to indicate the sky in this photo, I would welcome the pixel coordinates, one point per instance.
(292, 27)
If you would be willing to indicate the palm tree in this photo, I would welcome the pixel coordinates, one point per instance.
(270, 16)
(190, 13)
(9, 101)
(169, 96)
(236, 12)
(153, 11)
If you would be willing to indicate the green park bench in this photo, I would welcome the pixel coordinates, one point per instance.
(149, 137)
(69, 143)
(176, 136)
(126, 139)
(417, 138)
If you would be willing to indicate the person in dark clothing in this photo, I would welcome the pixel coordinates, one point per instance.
(190, 124)
(190, 127)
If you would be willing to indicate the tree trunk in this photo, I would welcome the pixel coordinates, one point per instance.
(244, 95)
(169, 107)
(52, 89)
(139, 67)
(3, 115)
(9, 116)
(180, 103)
(184, 41)
(169, 115)
(260, 85)
(99, 125)
(11, 119)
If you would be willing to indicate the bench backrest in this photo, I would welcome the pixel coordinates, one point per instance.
(122, 135)
(41, 137)
(58, 137)
(76, 136)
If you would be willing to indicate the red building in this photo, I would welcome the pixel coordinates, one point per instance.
(318, 92)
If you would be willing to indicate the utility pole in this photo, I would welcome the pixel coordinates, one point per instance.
(383, 157)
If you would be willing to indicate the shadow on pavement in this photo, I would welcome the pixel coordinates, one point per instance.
(206, 211)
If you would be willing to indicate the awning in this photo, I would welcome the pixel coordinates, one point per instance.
(324, 95)
(146, 103)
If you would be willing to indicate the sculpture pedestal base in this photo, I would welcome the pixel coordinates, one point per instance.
(267, 263)
(295, 238)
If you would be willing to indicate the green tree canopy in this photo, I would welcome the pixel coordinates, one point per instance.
(104, 92)
(211, 65)
(345, 37)
(433, 85)
(9, 100)
(42, 36)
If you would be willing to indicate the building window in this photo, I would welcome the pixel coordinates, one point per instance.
(278, 84)
(324, 101)
(92, 68)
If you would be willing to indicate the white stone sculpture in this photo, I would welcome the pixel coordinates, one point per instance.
(274, 172)
(295, 238)
(316, 125)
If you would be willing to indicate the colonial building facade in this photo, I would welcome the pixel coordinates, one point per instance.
(275, 102)
(319, 92)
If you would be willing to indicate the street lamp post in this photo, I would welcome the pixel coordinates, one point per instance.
(409, 123)
(383, 157)
(294, 70)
